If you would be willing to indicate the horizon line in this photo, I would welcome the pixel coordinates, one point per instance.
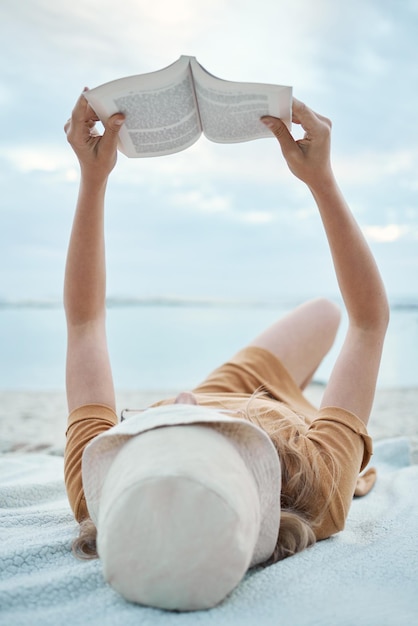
(396, 303)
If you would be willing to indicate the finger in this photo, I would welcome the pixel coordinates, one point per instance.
(111, 134)
(281, 132)
(90, 112)
(307, 118)
(303, 115)
(77, 128)
(80, 109)
(83, 119)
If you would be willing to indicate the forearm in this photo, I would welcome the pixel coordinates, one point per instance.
(309, 159)
(85, 274)
(358, 276)
(353, 379)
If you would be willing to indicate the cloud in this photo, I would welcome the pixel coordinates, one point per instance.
(145, 36)
(386, 234)
(200, 201)
(258, 217)
(371, 167)
(356, 62)
(257, 162)
(44, 158)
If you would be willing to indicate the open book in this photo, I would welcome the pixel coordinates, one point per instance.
(167, 111)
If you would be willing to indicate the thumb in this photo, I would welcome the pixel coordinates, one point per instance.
(281, 132)
(112, 127)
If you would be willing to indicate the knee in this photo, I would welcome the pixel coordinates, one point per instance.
(330, 309)
(330, 314)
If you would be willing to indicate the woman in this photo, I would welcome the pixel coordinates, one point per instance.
(243, 470)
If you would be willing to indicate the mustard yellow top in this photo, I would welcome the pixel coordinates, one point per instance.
(282, 411)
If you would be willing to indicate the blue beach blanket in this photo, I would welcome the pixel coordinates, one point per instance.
(365, 576)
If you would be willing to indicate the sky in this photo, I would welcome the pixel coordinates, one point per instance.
(215, 221)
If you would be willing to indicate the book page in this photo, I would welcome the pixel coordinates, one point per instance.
(230, 111)
(160, 109)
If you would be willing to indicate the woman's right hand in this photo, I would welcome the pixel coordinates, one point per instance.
(307, 158)
(96, 153)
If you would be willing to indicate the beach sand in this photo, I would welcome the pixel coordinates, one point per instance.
(35, 421)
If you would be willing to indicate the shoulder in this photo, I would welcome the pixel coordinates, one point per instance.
(340, 447)
(343, 435)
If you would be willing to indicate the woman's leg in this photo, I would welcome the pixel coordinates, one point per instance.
(302, 338)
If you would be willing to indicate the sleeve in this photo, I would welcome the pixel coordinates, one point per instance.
(84, 423)
(345, 449)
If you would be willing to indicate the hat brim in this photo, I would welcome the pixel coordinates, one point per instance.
(254, 445)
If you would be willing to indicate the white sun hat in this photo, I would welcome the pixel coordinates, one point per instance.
(183, 510)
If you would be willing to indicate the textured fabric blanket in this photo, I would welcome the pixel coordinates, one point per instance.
(364, 576)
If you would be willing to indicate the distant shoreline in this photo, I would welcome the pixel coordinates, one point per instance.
(407, 303)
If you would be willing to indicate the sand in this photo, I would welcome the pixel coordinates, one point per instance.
(34, 421)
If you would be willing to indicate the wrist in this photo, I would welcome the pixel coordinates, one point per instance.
(323, 184)
(93, 182)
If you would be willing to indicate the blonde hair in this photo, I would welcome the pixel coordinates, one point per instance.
(84, 546)
(300, 479)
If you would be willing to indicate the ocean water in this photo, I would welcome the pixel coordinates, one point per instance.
(172, 345)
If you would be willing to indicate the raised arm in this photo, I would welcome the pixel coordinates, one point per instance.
(88, 372)
(353, 380)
